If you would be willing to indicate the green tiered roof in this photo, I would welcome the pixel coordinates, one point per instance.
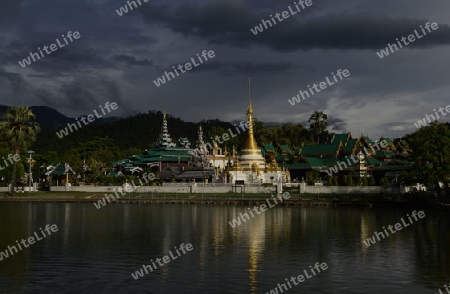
(321, 149)
(323, 156)
(269, 147)
(340, 138)
(350, 146)
(368, 140)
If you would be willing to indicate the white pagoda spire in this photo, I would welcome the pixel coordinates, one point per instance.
(164, 139)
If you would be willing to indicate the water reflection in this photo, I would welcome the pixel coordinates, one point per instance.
(98, 249)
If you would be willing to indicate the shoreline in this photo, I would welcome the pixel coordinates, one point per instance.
(236, 199)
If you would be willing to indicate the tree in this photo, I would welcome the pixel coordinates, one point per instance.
(431, 156)
(359, 182)
(335, 181)
(350, 181)
(218, 131)
(365, 181)
(99, 154)
(318, 123)
(18, 129)
(6, 171)
(311, 177)
(329, 181)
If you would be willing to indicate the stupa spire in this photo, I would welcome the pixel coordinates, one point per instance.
(250, 142)
(164, 139)
(200, 143)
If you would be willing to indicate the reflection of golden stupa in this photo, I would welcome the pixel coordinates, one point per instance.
(251, 153)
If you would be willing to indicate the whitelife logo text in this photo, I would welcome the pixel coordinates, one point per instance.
(397, 226)
(53, 48)
(284, 14)
(187, 67)
(90, 118)
(166, 259)
(263, 207)
(411, 38)
(31, 240)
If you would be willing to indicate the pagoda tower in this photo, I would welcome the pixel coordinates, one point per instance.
(164, 139)
(251, 159)
(200, 143)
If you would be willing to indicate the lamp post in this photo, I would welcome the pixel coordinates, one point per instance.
(29, 175)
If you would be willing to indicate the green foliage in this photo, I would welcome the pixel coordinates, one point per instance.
(46, 158)
(431, 145)
(372, 181)
(359, 181)
(350, 181)
(127, 152)
(6, 171)
(343, 180)
(99, 154)
(218, 131)
(318, 123)
(384, 182)
(311, 176)
(18, 130)
(365, 181)
(286, 134)
(335, 181)
(329, 181)
(139, 131)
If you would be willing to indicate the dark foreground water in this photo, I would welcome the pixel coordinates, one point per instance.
(96, 250)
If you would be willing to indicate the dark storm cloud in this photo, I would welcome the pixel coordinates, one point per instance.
(17, 83)
(79, 97)
(229, 22)
(336, 124)
(9, 11)
(71, 57)
(247, 68)
(48, 98)
(117, 57)
(68, 58)
(131, 60)
(113, 94)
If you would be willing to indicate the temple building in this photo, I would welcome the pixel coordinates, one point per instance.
(321, 158)
(250, 166)
(170, 161)
(271, 162)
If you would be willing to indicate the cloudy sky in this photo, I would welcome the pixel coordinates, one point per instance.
(118, 57)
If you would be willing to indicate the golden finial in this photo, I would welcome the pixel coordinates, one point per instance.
(164, 114)
(250, 107)
(249, 90)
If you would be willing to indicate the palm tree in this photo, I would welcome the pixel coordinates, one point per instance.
(318, 123)
(18, 129)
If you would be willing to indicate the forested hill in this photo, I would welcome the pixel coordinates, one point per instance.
(138, 131)
(50, 119)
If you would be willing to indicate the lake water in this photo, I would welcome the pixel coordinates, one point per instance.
(97, 250)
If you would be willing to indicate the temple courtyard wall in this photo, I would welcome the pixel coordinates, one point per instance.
(228, 188)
